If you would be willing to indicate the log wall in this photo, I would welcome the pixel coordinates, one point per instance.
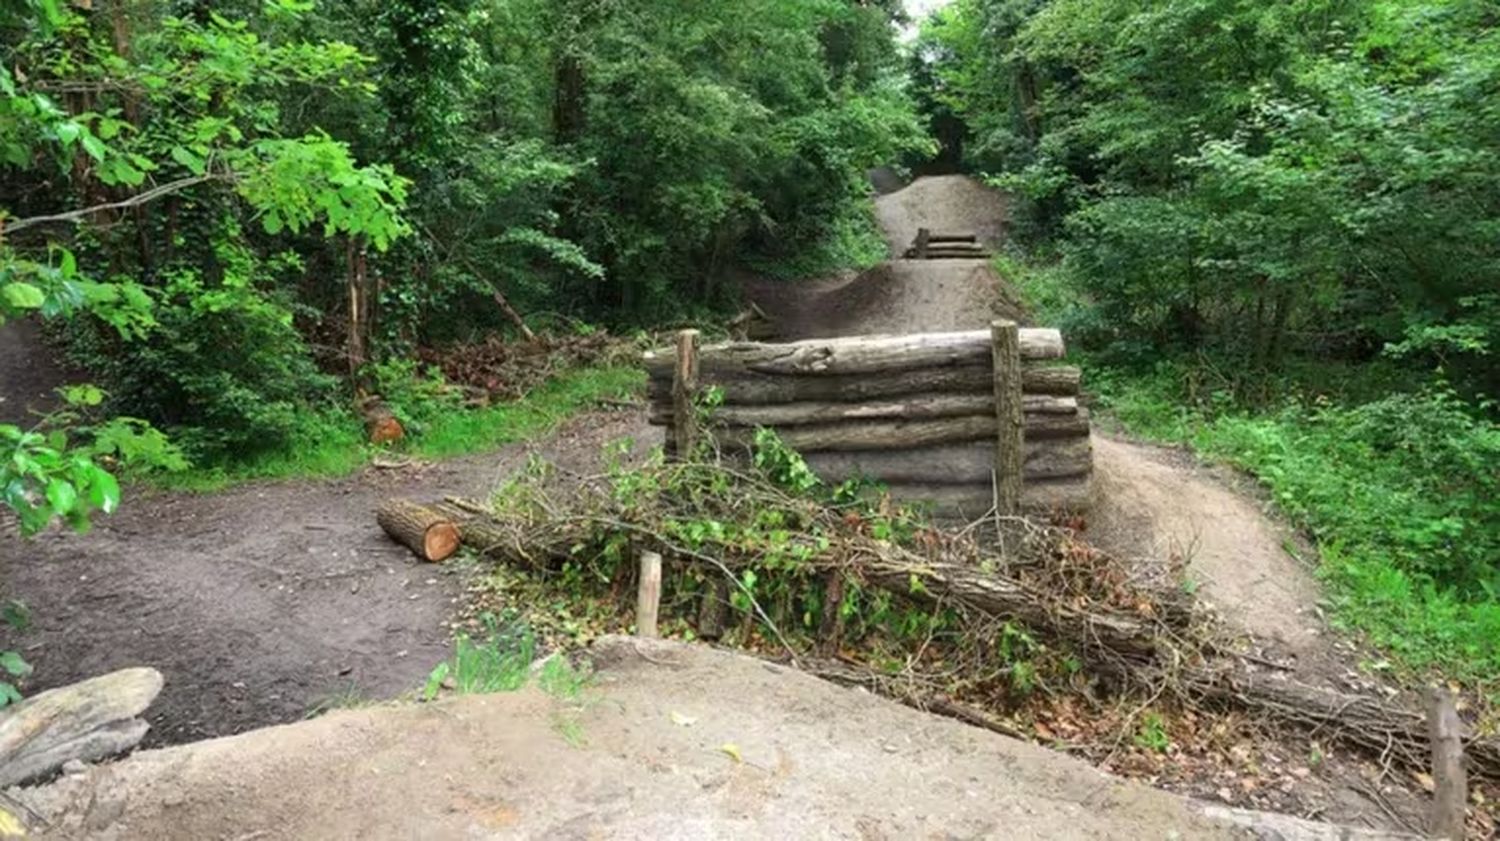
(920, 413)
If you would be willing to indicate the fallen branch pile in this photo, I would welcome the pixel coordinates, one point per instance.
(795, 565)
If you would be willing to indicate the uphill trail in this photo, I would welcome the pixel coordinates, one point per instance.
(1153, 504)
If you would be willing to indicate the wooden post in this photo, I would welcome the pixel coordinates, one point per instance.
(920, 247)
(684, 384)
(1009, 454)
(648, 597)
(1450, 796)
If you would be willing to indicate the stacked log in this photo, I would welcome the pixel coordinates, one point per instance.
(931, 245)
(916, 413)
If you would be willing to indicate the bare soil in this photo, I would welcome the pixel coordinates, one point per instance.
(652, 754)
(266, 602)
(946, 204)
(29, 373)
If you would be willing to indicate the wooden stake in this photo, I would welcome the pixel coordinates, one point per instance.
(648, 597)
(920, 247)
(1450, 796)
(1009, 452)
(684, 384)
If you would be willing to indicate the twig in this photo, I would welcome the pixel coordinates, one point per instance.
(137, 199)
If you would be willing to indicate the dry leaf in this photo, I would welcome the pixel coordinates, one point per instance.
(682, 720)
(732, 750)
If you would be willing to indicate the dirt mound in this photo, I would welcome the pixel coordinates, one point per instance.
(942, 203)
(770, 753)
(1156, 504)
(264, 602)
(901, 296)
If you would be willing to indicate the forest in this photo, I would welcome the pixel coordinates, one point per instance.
(1270, 230)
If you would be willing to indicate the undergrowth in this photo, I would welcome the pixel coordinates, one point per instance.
(332, 443)
(1401, 493)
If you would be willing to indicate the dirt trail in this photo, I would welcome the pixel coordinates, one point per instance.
(1154, 503)
(647, 761)
(263, 602)
(28, 373)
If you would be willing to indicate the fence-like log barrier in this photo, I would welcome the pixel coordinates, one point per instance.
(934, 416)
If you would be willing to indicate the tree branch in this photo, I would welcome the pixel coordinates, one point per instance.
(134, 201)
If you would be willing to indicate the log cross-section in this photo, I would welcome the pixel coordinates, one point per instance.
(429, 534)
(1010, 429)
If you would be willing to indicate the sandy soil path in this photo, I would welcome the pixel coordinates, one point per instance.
(646, 760)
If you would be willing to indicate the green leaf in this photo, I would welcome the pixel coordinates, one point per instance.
(104, 491)
(185, 156)
(14, 664)
(94, 146)
(62, 495)
(8, 694)
(67, 133)
(272, 222)
(23, 296)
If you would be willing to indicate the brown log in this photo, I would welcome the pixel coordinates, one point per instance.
(905, 435)
(954, 464)
(426, 532)
(910, 407)
(974, 502)
(956, 254)
(1450, 799)
(381, 425)
(856, 354)
(684, 437)
(86, 721)
(756, 389)
(913, 407)
(951, 236)
(1010, 429)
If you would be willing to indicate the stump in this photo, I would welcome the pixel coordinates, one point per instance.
(429, 534)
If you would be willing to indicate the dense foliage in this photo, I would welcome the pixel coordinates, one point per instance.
(241, 208)
(1253, 178)
(1273, 225)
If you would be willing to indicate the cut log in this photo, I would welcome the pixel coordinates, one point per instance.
(873, 435)
(426, 532)
(905, 435)
(381, 424)
(937, 237)
(956, 254)
(86, 721)
(973, 502)
(748, 389)
(856, 354)
(912, 407)
(954, 464)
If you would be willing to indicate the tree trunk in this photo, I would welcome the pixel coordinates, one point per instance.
(877, 355)
(903, 435)
(955, 464)
(750, 389)
(425, 531)
(86, 721)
